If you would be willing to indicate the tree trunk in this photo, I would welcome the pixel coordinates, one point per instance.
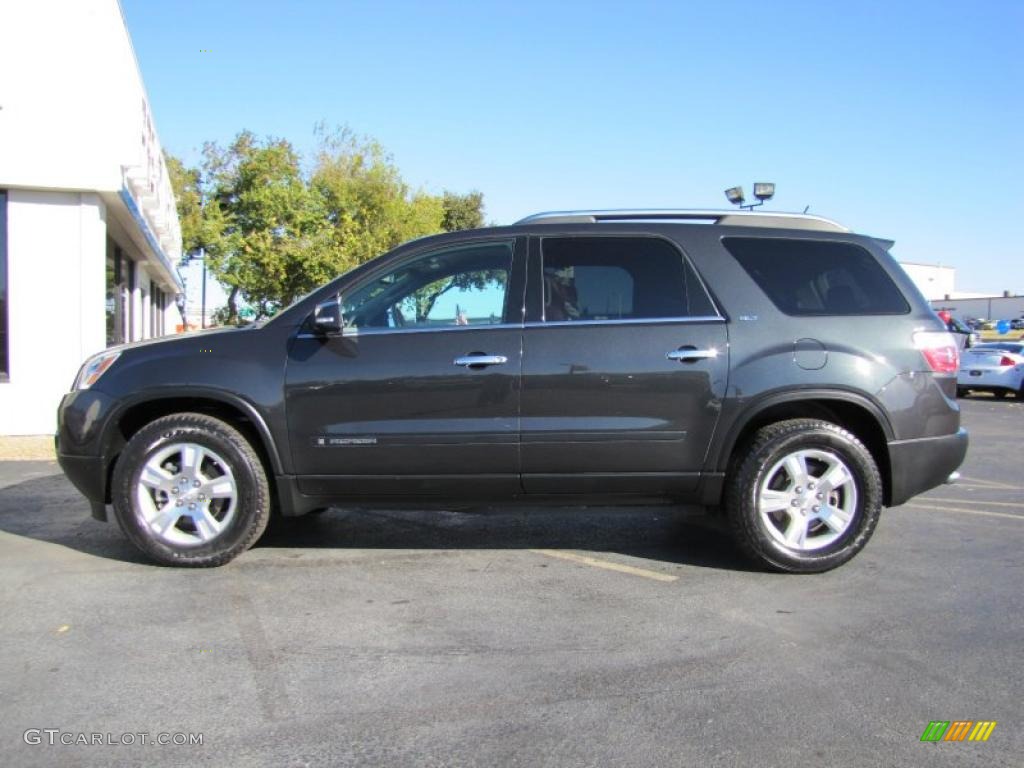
(233, 306)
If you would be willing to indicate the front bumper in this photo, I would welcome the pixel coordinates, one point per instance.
(920, 465)
(88, 475)
(80, 420)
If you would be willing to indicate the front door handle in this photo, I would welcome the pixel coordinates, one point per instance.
(475, 360)
(690, 354)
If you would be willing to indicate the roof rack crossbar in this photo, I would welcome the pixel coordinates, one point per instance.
(725, 218)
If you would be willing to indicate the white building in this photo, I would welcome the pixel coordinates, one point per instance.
(933, 280)
(89, 235)
(1005, 307)
(937, 283)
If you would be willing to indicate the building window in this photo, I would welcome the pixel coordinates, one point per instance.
(4, 359)
(156, 310)
(152, 308)
(120, 282)
(115, 316)
(128, 299)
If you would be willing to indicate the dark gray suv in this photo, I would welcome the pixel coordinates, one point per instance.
(776, 366)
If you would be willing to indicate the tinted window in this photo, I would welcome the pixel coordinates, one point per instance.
(810, 277)
(465, 285)
(618, 278)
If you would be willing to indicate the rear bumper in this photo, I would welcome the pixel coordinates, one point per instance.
(990, 379)
(920, 465)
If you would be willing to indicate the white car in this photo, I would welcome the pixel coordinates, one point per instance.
(995, 366)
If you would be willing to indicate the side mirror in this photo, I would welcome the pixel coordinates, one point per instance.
(327, 318)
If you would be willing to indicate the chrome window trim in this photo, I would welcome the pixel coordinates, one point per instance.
(626, 321)
(354, 333)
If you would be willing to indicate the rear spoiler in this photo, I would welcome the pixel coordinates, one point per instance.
(887, 244)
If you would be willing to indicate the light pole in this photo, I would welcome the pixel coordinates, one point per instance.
(762, 191)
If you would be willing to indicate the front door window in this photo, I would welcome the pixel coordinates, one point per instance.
(463, 286)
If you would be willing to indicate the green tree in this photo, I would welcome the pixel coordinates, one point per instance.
(462, 211)
(369, 207)
(272, 232)
(265, 222)
(187, 186)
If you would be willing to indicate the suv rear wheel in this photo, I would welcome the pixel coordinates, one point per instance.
(804, 496)
(190, 490)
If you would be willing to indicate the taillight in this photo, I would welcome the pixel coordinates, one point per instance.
(939, 349)
(1004, 360)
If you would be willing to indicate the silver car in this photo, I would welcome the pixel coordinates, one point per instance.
(996, 367)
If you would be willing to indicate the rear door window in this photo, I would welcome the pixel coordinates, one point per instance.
(619, 278)
(814, 277)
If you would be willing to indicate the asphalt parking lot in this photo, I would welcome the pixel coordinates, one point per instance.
(520, 637)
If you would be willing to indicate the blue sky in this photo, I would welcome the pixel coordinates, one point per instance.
(899, 119)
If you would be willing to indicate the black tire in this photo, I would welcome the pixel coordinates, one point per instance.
(249, 507)
(999, 394)
(962, 391)
(1020, 392)
(750, 470)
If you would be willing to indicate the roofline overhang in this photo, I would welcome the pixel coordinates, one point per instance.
(154, 244)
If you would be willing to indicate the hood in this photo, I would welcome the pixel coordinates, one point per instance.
(175, 338)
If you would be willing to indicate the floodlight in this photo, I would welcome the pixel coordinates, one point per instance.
(735, 195)
(764, 190)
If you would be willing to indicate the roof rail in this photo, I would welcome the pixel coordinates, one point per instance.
(725, 218)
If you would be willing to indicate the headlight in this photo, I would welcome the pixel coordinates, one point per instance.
(95, 367)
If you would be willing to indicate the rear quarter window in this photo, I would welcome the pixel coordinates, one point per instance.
(818, 277)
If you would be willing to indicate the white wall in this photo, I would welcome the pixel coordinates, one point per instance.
(990, 308)
(56, 296)
(76, 139)
(934, 281)
(172, 317)
(75, 113)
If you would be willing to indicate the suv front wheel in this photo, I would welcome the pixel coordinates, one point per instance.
(190, 490)
(804, 496)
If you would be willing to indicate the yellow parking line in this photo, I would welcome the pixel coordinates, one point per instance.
(977, 501)
(608, 566)
(966, 511)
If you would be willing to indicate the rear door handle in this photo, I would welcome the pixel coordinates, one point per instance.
(472, 361)
(692, 354)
